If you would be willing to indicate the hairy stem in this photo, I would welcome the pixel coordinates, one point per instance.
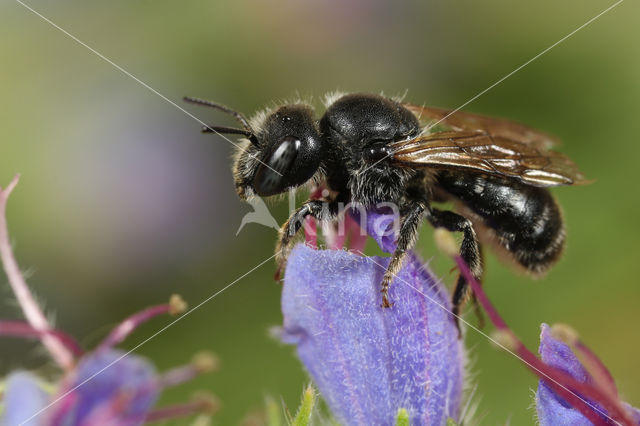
(30, 308)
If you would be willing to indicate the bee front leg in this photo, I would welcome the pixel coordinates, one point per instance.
(469, 251)
(410, 218)
(318, 209)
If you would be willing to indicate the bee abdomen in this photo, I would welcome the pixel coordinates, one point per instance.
(521, 221)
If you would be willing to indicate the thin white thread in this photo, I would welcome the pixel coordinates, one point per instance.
(128, 74)
(58, 399)
(506, 76)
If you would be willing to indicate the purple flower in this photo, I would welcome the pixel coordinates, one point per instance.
(573, 390)
(106, 386)
(102, 387)
(23, 396)
(368, 362)
(119, 394)
(553, 409)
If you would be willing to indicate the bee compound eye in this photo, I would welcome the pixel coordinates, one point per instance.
(272, 176)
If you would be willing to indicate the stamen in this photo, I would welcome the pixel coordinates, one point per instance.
(504, 340)
(207, 404)
(596, 369)
(175, 306)
(562, 383)
(203, 362)
(23, 329)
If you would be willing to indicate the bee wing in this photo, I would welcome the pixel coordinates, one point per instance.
(491, 154)
(466, 121)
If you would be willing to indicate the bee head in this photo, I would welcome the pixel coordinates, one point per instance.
(284, 152)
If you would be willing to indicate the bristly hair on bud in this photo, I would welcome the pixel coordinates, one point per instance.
(59, 352)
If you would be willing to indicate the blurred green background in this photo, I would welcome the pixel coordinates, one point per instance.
(123, 202)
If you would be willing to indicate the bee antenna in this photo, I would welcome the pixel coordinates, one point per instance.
(231, 131)
(237, 115)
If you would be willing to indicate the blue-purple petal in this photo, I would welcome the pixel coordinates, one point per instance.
(367, 361)
(551, 408)
(381, 224)
(23, 398)
(635, 413)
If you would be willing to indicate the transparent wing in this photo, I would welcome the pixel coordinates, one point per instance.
(466, 121)
(487, 153)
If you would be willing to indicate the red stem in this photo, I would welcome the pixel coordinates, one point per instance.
(127, 326)
(178, 375)
(357, 237)
(23, 329)
(178, 410)
(597, 369)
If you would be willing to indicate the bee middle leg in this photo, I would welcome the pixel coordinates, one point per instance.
(469, 251)
(411, 215)
(318, 209)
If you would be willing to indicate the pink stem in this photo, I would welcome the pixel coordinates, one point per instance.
(482, 297)
(23, 329)
(179, 410)
(202, 363)
(330, 234)
(357, 236)
(32, 312)
(316, 193)
(178, 375)
(561, 382)
(127, 326)
(341, 235)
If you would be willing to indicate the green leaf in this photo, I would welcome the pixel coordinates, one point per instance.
(303, 416)
(402, 418)
(451, 422)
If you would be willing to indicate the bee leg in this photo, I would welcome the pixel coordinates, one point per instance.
(319, 209)
(411, 215)
(474, 300)
(469, 251)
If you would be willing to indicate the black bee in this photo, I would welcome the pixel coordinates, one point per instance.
(370, 149)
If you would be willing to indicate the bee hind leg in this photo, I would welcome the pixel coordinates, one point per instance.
(469, 252)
